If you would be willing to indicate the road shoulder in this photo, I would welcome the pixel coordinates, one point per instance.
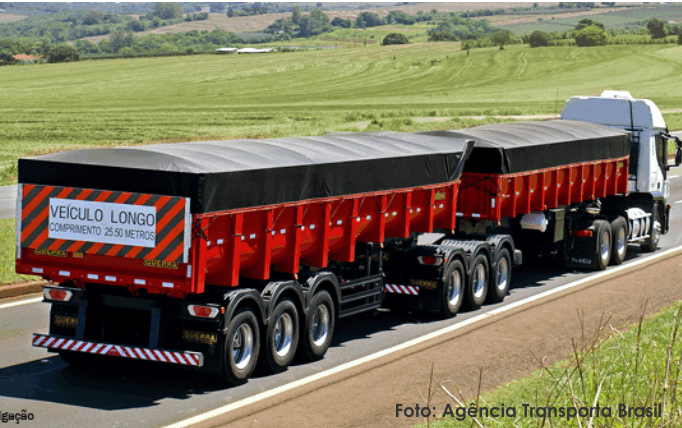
(504, 347)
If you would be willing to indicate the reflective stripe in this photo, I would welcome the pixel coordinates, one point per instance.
(65, 343)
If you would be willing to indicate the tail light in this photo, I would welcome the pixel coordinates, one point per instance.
(430, 261)
(203, 311)
(57, 294)
(582, 233)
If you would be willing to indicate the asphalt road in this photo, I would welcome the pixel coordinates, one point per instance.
(61, 396)
(8, 200)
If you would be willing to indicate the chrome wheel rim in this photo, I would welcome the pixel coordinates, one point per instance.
(242, 346)
(622, 244)
(656, 231)
(605, 246)
(479, 281)
(502, 274)
(284, 334)
(454, 288)
(320, 327)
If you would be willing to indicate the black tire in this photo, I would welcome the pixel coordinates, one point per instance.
(651, 243)
(619, 240)
(242, 345)
(477, 284)
(454, 281)
(281, 339)
(602, 249)
(501, 279)
(319, 326)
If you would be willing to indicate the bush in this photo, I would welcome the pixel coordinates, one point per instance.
(679, 39)
(6, 58)
(395, 39)
(591, 36)
(562, 42)
(539, 38)
(657, 28)
(442, 36)
(503, 37)
(340, 22)
(63, 53)
(368, 19)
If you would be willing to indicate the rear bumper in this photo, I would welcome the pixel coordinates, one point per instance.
(59, 343)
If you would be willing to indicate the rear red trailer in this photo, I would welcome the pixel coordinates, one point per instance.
(208, 254)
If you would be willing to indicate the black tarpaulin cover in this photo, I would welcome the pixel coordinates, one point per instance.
(224, 175)
(509, 148)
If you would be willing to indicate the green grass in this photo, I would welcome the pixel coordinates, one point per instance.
(619, 19)
(52, 107)
(7, 255)
(637, 368)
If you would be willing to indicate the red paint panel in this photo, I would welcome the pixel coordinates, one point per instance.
(492, 197)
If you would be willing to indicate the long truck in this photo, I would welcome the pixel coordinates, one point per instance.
(219, 256)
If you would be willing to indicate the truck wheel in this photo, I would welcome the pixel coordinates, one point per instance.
(619, 241)
(282, 336)
(242, 345)
(319, 326)
(651, 243)
(603, 247)
(501, 277)
(453, 289)
(477, 286)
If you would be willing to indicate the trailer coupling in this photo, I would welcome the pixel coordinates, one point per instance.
(58, 343)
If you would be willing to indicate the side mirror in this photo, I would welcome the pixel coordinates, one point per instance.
(678, 156)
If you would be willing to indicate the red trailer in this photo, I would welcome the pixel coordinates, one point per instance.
(208, 254)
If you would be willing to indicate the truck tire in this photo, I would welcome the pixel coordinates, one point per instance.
(319, 326)
(602, 229)
(619, 240)
(242, 345)
(454, 281)
(281, 339)
(501, 279)
(477, 285)
(651, 243)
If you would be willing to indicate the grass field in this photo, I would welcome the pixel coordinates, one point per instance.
(132, 101)
(617, 19)
(639, 368)
(7, 254)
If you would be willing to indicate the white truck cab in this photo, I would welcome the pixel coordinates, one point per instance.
(649, 157)
(649, 152)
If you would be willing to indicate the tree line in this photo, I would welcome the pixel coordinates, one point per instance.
(589, 32)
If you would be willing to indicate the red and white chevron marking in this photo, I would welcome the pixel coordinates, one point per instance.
(195, 359)
(401, 289)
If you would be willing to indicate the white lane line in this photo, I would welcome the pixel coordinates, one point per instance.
(673, 176)
(678, 202)
(21, 302)
(292, 385)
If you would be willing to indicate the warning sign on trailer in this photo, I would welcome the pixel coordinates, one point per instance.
(119, 224)
(102, 222)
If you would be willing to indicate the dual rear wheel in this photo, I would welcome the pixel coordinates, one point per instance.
(611, 243)
(479, 286)
(281, 340)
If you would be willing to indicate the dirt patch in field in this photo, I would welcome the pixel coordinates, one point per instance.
(502, 346)
(524, 19)
(10, 17)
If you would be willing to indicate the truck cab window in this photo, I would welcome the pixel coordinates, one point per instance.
(662, 153)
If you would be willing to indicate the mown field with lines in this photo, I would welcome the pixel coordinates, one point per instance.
(133, 101)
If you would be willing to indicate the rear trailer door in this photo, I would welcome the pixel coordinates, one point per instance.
(99, 236)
